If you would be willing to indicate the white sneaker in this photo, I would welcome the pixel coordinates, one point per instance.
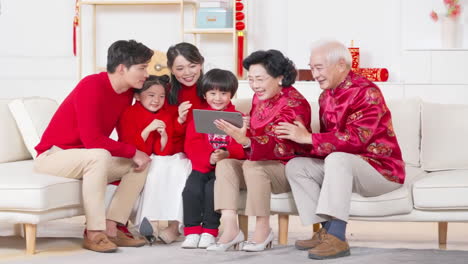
(191, 241)
(206, 240)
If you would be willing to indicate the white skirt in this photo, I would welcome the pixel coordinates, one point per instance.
(161, 198)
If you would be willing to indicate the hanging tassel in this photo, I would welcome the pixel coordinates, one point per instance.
(76, 23)
(240, 52)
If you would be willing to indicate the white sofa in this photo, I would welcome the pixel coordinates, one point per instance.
(433, 138)
(434, 143)
(30, 198)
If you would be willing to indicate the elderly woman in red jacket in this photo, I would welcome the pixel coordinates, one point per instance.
(271, 76)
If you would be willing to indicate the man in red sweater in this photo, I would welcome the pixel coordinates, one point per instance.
(76, 145)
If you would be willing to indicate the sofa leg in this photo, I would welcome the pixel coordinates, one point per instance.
(283, 224)
(316, 227)
(30, 235)
(443, 226)
(244, 225)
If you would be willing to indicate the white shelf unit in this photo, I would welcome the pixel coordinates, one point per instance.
(196, 32)
(93, 5)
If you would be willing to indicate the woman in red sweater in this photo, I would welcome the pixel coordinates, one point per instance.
(205, 150)
(150, 125)
(186, 65)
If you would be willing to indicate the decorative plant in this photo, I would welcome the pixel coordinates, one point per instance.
(453, 10)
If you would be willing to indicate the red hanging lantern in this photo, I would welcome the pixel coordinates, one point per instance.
(239, 6)
(240, 26)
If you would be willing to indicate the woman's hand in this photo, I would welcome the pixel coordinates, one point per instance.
(218, 155)
(296, 132)
(238, 134)
(184, 108)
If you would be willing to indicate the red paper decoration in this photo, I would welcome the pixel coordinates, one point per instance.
(239, 6)
(355, 57)
(372, 74)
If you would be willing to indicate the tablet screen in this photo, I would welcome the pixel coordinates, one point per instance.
(204, 120)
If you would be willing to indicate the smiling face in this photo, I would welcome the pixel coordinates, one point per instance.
(152, 98)
(136, 75)
(217, 99)
(328, 74)
(186, 72)
(264, 85)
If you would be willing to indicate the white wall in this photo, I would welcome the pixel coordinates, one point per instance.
(36, 39)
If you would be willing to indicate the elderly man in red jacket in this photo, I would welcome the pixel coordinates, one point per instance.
(355, 151)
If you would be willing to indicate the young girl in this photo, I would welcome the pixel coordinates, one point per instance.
(205, 150)
(150, 125)
(185, 63)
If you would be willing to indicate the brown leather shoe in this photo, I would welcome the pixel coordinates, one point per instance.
(100, 243)
(123, 240)
(310, 243)
(330, 247)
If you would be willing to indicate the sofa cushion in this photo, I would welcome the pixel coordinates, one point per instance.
(22, 189)
(392, 203)
(444, 144)
(406, 119)
(32, 115)
(442, 190)
(12, 147)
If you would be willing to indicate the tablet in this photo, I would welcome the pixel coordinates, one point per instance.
(204, 120)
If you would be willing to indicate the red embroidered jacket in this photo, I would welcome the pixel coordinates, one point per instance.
(355, 119)
(287, 106)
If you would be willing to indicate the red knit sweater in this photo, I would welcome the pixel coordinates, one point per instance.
(86, 118)
(136, 118)
(188, 93)
(199, 147)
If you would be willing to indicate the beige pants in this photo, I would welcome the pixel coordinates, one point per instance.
(322, 188)
(260, 178)
(96, 167)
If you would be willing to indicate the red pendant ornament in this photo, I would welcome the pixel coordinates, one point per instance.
(240, 26)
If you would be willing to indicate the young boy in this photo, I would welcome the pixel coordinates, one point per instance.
(76, 145)
(205, 150)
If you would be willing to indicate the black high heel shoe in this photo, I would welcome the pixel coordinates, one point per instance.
(146, 230)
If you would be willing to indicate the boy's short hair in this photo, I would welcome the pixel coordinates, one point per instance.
(128, 53)
(218, 79)
(162, 80)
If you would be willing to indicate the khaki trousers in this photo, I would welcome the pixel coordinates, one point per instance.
(96, 168)
(259, 178)
(322, 188)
